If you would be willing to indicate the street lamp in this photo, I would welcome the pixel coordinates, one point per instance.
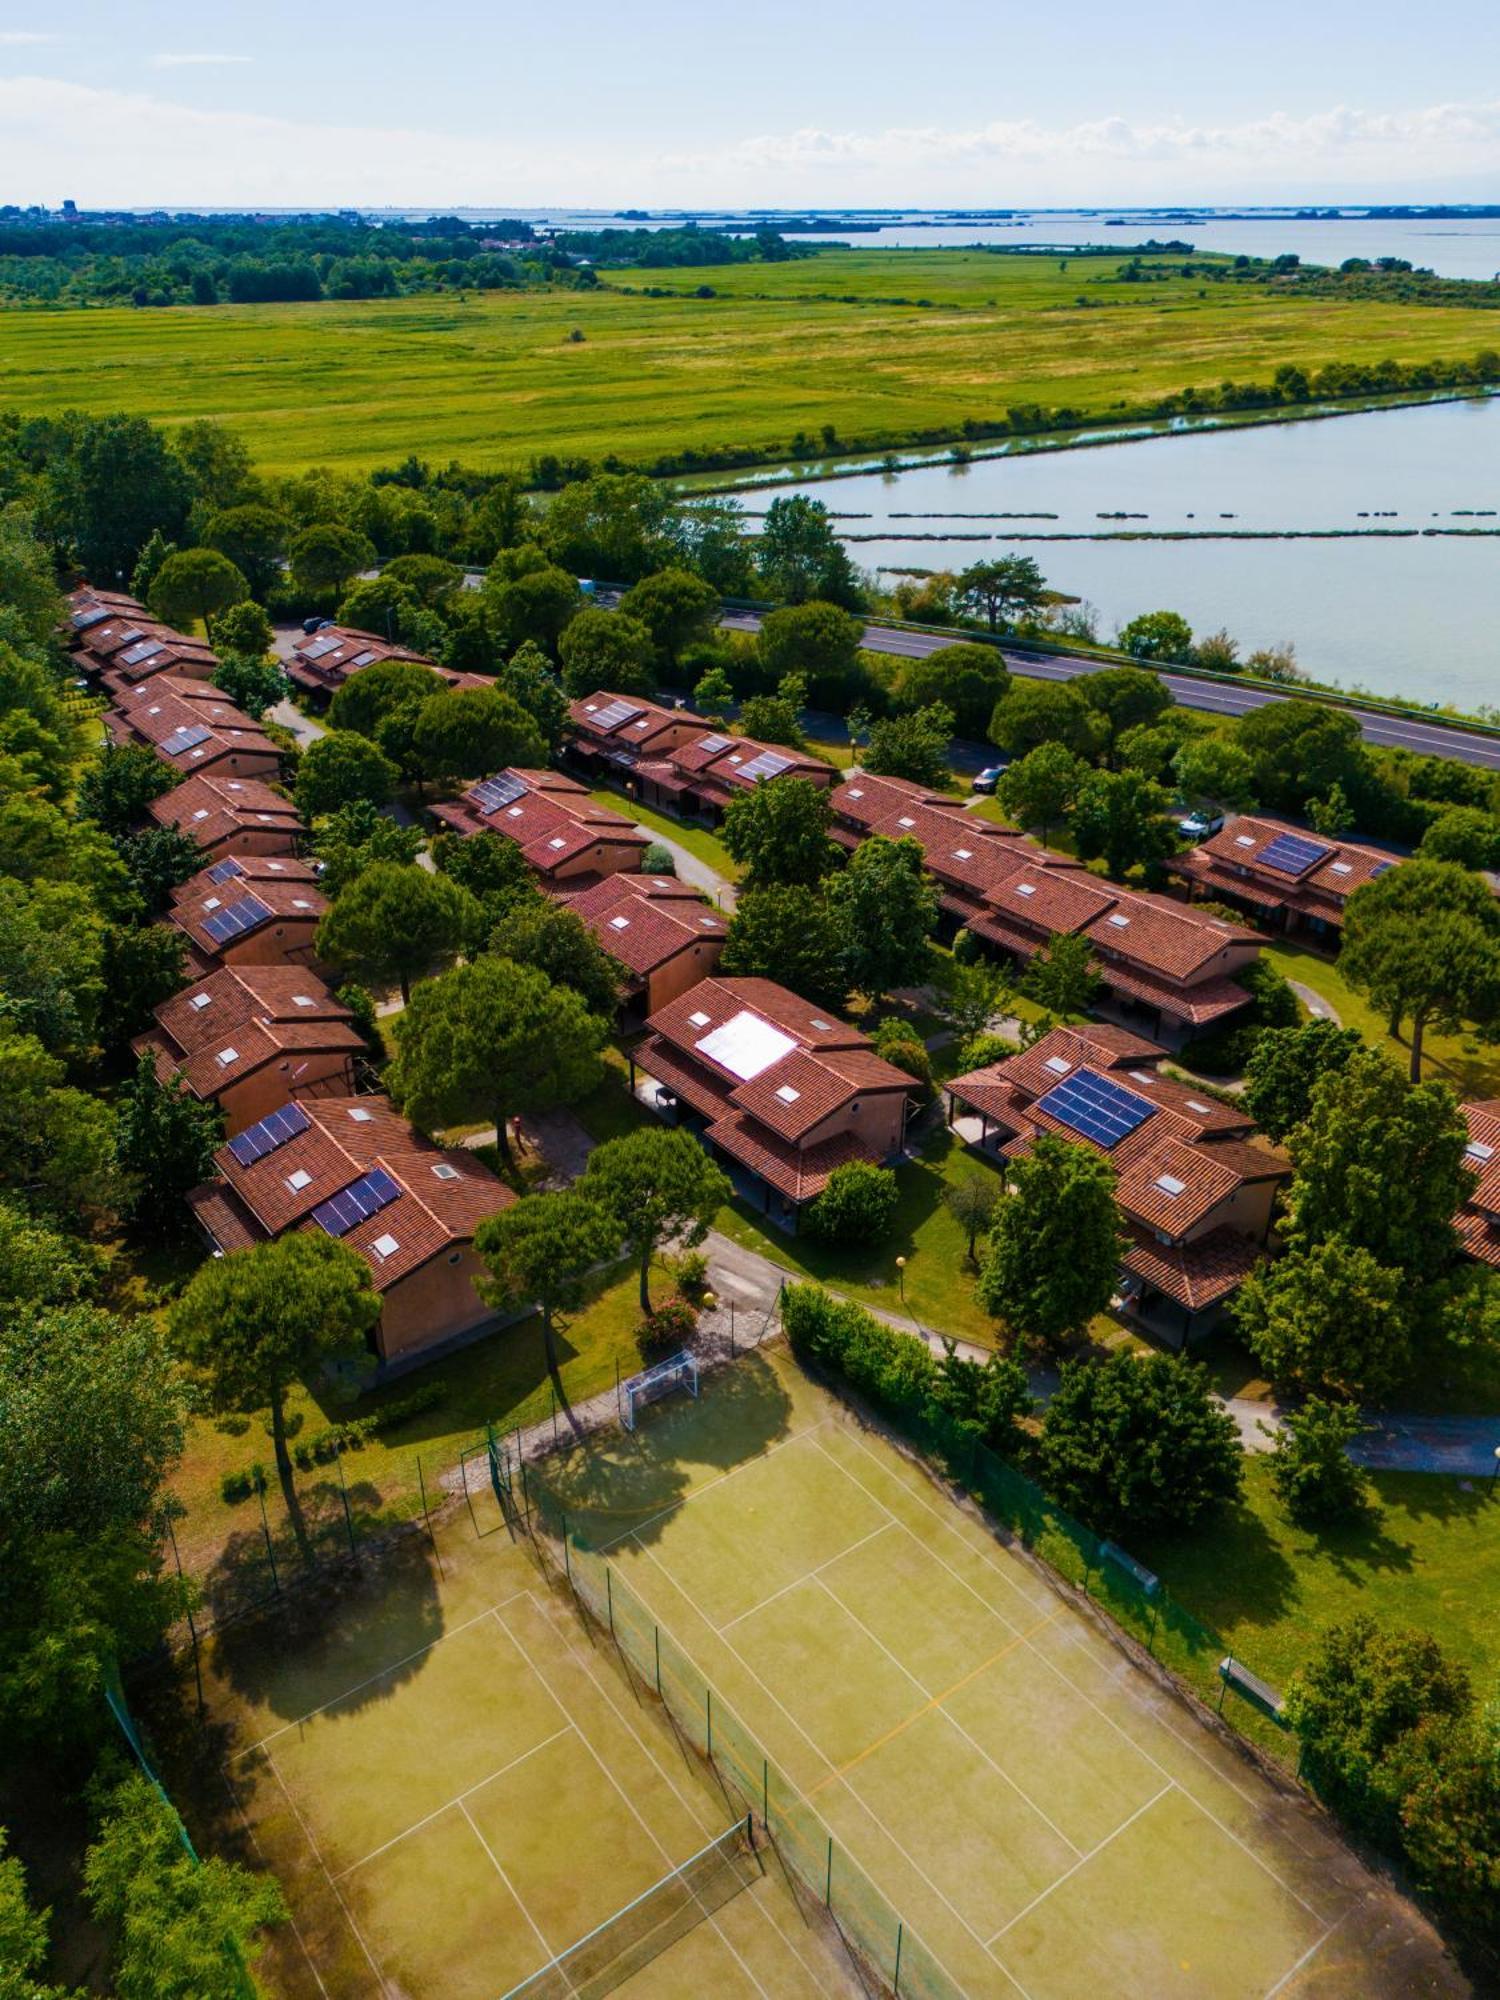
(1496, 1473)
(901, 1274)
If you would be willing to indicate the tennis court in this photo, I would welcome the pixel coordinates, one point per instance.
(455, 1784)
(1046, 1817)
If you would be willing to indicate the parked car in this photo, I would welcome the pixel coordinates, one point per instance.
(988, 778)
(1202, 824)
(311, 625)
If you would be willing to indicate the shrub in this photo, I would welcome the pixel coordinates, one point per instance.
(979, 1051)
(668, 1328)
(899, 1043)
(658, 859)
(1314, 1476)
(858, 1205)
(691, 1272)
(237, 1486)
(894, 1369)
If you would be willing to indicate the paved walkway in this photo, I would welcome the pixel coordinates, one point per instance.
(691, 869)
(1314, 1002)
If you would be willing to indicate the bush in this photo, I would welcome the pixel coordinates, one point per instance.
(691, 1272)
(1273, 1004)
(898, 1042)
(237, 1486)
(979, 1051)
(658, 859)
(668, 1328)
(894, 1369)
(857, 1207)
(1314, 1476)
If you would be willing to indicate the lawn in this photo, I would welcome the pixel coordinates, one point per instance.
(1469, 1064)
(495, 379)
(708, 847)
(1426, 1557)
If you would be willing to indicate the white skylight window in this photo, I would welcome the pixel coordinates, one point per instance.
(786, 1093)
(514, 812)
(855, 792)
(273, 867)
(1120, 923)
(201, 813)
(385, 1246)
(303, 1000)
(709, 923)
(1244, 840)
(212, 903)
(619, 923)
(234, 785)
(905, 821)
(1169, 1184)
(443, 1172)
(299, 1180)
(556, 842)
(1342, 868)
(823, 1027)
(1143, 1076)
(1477, 1150)
(200, 1000)
(745, 1045)
(301, 903)
(228, 1056)
(1203, 1110)
(360, 1115)
(963, 854)
(1026, 888)
(700, 1020)
(1058, 1065)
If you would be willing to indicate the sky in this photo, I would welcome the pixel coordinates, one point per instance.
(788, 103)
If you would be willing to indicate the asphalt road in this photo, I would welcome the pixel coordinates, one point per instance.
(1389, 732)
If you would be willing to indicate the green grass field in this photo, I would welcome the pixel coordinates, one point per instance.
(493, 379)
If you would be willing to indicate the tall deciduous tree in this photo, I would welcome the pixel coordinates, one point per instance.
(799, 556)
(887, 907)
(969, 679)
(1064, 979)
(912, 746)
(974, 1201)
(540, 1251)
(350, 840)
(1328, 1317)
(779, 832)
(1158, 635)
(196, 584)
(1123, 698)
(790, 933)
(116, 791)
(539, 604)
(254, 538)
(493, 1039)
(1039, 789)
(56, 1143)
(1423, 942)
(395, 921)
(164, 1140)
(469, 732)
(341, 769)
(1054, 1252)
(657, 1185)
(1286, 1065)
(1030, 713)
(537, 931)
(250, 681)
(675, 607)
(325, 555)
(366, 698)
(254, 1323)
(607, 650)
(1123, 818)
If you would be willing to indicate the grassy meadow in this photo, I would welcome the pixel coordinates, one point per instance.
(492, 379)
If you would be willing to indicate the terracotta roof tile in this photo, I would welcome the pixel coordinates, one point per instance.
(213, 810)
(800, 1173)
(1194, 1274)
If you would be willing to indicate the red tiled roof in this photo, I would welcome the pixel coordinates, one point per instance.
(1052, 900)
(799, 1173)
(644, 931)
(1095, 1043)
(228, 1225)
(1164, 937)
(249, 870)
(646, 721)
(550, 810)
(1210, 1000)
(1173, 1186)
(1343, 867)
(1478, 1221)
(156, 713)
(1194, 1274)
(282, 903)
(683, 1075)
(213, 809)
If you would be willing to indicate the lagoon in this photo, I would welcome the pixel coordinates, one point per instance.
(1402, 611)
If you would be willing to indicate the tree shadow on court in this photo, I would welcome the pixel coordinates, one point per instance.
(628, 1482)
(350, 1632)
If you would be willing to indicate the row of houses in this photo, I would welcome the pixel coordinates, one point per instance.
(256, 1032)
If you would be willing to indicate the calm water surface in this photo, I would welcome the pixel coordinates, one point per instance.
(1418, 616)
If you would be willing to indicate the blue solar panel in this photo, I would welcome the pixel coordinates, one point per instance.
(1089, 1103)
(1290, 854)
(496, 792)
(769, 764)
(1381, 868)
(186, 738)
(257, 1140)
(92, 614)
(225, 871)
(222, 925)
(364, 1197)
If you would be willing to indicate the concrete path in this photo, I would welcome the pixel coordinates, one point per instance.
(689, 868)
(1462, 1446)
(1314, 1002)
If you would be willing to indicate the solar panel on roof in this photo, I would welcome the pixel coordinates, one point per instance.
(319, 647)
(1290, 854)
(496, 792)
(362, 1198)
(1090, 1104)
(133, 655)
(769, 764)
(93, 615)
(257, 1140)
(187, 738)
(615, 712)
(224, 871)
(235, 918)
(362, 659)
(1381, 868)
(715, 744)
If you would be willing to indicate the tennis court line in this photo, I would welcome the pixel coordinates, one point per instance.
(1311, 1952)
(1084, 1859)
(823, 1758)
(883, 1529)
(515, 1894)
(254, 1840)
(1084, 1696)
(370, 1679)
(698, 1491)
(952, 1720)
(693, 1806)
(456, 1800)
(317, 1851)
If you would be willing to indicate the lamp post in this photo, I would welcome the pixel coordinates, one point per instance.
(901, 1275)
(1496, 1473)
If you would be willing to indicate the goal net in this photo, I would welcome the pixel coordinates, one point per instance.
(678, 1372)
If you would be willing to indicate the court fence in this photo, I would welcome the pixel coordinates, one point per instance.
(871, 1928)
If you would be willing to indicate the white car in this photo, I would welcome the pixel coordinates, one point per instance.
(1202, 824)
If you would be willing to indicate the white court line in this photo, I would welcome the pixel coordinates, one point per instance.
(1124, 1734)
(327, 1876)
(824, 1758)
(1292, 1970)
(456, 1800)
(936, 1704)
(807, 1576)
(495, 1864)
(1082, 1861)
(692, 1805)
(682, 1500)
(254, 1839)
(370, 1680)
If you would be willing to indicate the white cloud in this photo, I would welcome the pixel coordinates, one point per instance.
(121, 148)
(187, 61)
(24, 38)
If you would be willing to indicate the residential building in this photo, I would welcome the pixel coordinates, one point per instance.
(354, 1168)
(1286, 878)
(1479, 1218)
(1195, 1189)
(675, 760)
(322, 661)
(660, 933)
(114, 638)
(565, 838)
(781, 1090)
(965, 855)
(248, 1037)
(234, 917)
(192, 727)
(230, 816)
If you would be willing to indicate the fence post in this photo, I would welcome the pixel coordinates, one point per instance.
(609, 1598)
(187, 1606)
(567, 1558)
(265, 1528)
(828, 1879)
(552, 1390)
(765, 1793)
(709, 1705)
(896, 1981)
(619, 1407)
(657, 1630)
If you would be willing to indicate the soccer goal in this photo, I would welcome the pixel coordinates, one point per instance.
(680, 1371)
